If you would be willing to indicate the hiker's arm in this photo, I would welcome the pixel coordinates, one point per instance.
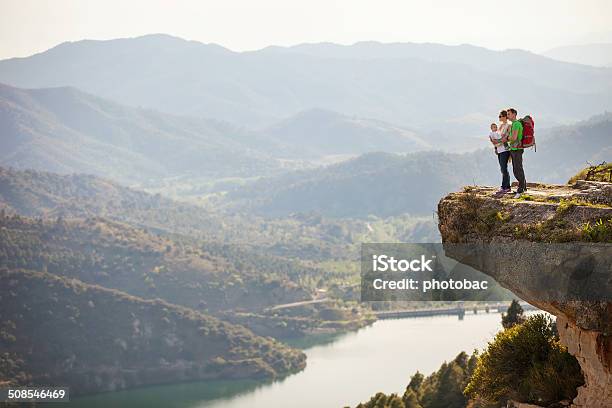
(514, 135)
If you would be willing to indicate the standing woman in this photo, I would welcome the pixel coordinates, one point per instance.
(503, 152)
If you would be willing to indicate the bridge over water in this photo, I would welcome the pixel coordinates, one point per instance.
(459, 310)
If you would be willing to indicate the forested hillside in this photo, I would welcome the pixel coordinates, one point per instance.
(121, 257)
(95, 339)
(304, 236)
(153, 247)
(36, 193)
(378, 183)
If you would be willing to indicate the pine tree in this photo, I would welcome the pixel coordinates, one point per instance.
(513, 316)
(410, 399)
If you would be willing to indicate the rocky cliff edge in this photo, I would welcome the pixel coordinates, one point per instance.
(551, 224)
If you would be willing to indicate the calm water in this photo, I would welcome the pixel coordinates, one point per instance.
(345, 371)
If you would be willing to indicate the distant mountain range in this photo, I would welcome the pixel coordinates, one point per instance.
(512, 62)
(428, 87)
(317, 132)
(599, 55)
(65, 130)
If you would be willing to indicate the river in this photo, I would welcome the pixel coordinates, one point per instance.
(345, 370)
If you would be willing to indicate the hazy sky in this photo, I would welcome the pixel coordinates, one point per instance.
(30, 26)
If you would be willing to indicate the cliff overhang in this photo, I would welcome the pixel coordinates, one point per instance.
(543, 246)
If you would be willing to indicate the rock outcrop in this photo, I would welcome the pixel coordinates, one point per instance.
(563, 266)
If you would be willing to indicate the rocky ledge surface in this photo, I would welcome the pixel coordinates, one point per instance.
(566, 217)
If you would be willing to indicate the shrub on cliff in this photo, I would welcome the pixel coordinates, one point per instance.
(381, 400)
(139, 342)
(526, 363)
(598, 231)
(600, 172)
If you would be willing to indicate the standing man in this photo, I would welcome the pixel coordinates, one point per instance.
(516, 152)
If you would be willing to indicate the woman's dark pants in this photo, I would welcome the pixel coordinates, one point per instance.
(503, 158)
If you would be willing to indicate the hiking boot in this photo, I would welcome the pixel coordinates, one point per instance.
(501, 192)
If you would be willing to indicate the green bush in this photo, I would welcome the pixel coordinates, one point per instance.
(381, 400)
(600, 172)
(526, 363)
(599, 231)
